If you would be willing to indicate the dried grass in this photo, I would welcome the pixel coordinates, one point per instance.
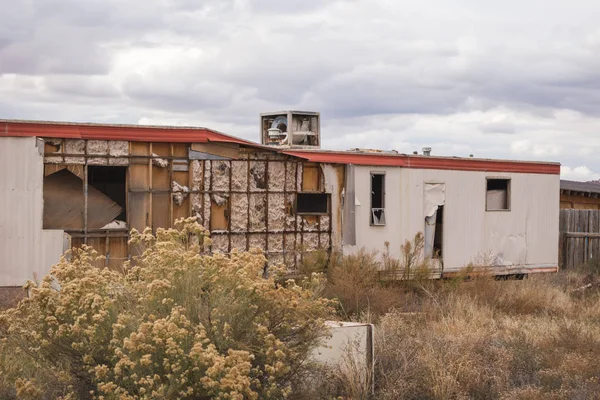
(488, 339)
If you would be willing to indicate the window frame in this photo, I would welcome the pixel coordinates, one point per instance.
(371, 208)
(327, 196)
(508, 193)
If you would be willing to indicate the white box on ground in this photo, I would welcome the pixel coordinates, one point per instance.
(350, 347)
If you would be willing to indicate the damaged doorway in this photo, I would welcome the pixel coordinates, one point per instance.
(434, 199)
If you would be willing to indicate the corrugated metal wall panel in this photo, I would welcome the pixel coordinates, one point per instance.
(26, 251)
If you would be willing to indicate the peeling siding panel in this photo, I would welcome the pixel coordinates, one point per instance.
(334, 184)
(25, 249)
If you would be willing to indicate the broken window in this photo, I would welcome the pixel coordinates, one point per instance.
(438, 239)
(111, 182)
(377, 198)
(65, 199)
(497, 194)
(312, 203)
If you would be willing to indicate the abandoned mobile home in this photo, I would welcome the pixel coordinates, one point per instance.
(65, 184)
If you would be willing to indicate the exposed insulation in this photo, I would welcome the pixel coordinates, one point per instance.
(276, 176)
(275, 242)
(159, 162)
(97, 147)
(97, 161)
(325, 239)
(239, 175)
(275, 259)
(238, 242)
(220, 172)
(310, 242)
(289, 259)
(196, 205)
(118, 161)
(290, 217)
(74, 146)
(207, 175)
(118, 148)
(277, 212)
(220, 243)
(196, 175)
(257, 212)
(257, 176)
(75, 160)
(290, 242)
(206, 220)
(324, 222)
(299, 178)
(258, 241)
(290, 179)
(53, 160)
(220, 199)
(53, 145)
(310, 223)
(239, 212)
(180, 192)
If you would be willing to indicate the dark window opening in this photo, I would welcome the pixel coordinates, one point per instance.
(111, 182)
(438, 239)
(312, 203)
(498, 194)
(377, 199)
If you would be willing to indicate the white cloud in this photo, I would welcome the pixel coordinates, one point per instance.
(493, 79)
(581, 173)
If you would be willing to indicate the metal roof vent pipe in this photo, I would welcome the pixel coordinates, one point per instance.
(426, 151)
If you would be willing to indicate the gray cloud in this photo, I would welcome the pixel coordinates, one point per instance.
(499, 80)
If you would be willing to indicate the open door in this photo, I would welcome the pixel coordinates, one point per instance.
(434, 200)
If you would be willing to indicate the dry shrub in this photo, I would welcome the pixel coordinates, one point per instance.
(535, 295)
(354, 282)
(367, 285)
(488, 339)
(178, 324)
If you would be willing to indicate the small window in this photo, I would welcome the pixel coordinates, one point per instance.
(312, 203)
(498, 194)
(377, 199)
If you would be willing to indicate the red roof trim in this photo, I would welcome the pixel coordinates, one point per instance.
(170, 134)
(130, 133)
(424, 162)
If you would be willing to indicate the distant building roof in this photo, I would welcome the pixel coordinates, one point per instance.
(581, 187)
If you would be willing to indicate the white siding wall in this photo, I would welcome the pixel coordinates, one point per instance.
(26, 250)
(525, 236)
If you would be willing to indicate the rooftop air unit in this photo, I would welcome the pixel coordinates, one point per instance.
(291, 129)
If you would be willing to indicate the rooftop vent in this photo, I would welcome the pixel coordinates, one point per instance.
(291, 129)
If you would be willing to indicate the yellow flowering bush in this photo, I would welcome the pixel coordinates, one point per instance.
(178, 323)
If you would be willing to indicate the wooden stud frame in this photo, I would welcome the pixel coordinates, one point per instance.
(299, 229)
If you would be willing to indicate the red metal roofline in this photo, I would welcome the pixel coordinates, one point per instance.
(178, 134)
(132, 133)
(426, 162)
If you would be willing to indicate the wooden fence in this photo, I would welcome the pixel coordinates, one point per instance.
(579, 237)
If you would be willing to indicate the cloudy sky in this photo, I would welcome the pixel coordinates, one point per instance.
(503, 79)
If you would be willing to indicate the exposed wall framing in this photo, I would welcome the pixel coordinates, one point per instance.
(245, 196)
